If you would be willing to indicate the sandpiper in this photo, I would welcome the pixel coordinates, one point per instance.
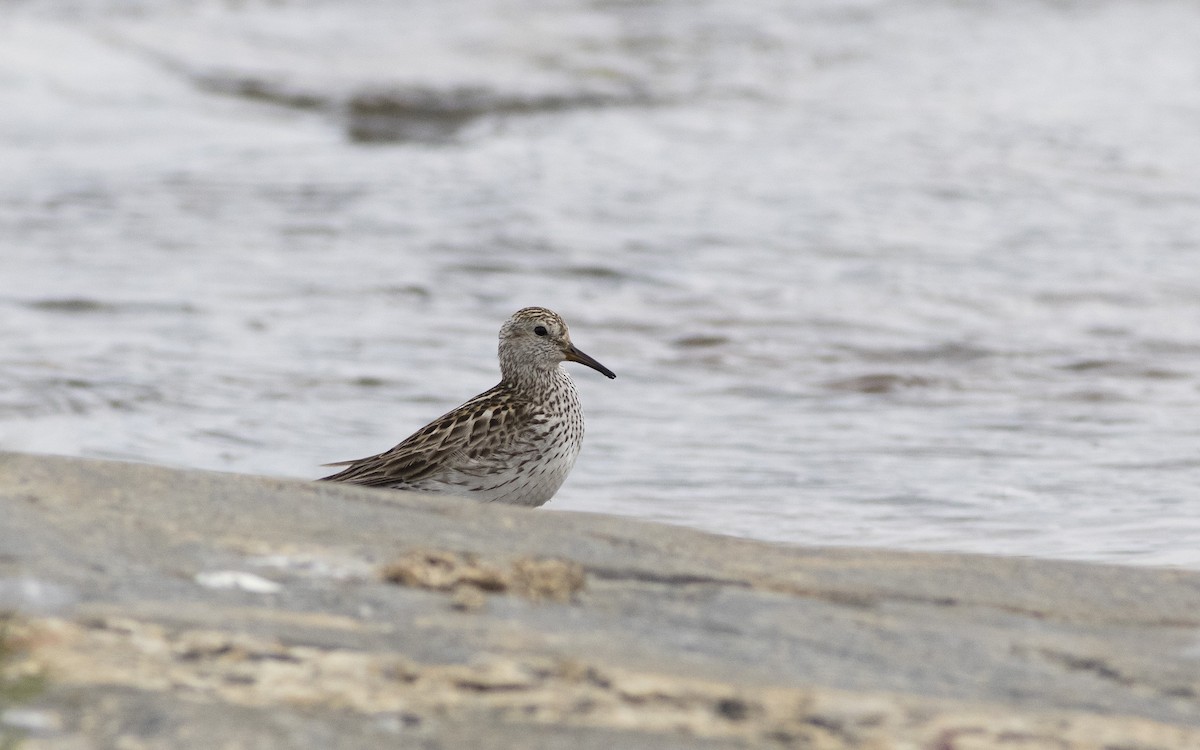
(514, 443)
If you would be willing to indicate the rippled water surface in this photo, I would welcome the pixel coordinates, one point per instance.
(916, 274)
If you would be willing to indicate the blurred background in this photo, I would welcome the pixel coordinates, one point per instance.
(906, 273)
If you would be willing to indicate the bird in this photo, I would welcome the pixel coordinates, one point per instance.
(514, 443)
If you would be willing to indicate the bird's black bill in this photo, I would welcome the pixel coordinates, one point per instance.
(574, 355)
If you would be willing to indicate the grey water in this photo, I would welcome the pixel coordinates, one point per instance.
(902, 273)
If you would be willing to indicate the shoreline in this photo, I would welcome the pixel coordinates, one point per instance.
(317, 615)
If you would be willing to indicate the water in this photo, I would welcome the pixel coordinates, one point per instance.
(911, 274)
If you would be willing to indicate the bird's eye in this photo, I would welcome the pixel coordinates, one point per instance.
(540, 330)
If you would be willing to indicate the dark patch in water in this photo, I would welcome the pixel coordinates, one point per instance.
(1090, 364)
(1095, 397)
(1153, 373)
(83, 305)
(879, 383)
(422, 114)
(600, 273)
(71, 305)
(1108, 332)
(438, 115)
(593, 272)
(701, 341)
(1121, 369)
(368, 381)
(483, 267)
(257, 89)
(949, 352)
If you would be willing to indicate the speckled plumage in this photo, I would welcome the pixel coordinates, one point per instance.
(514, 443)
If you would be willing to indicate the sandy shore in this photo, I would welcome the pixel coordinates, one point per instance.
(196, 610)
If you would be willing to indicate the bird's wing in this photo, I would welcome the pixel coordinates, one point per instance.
(455, 439)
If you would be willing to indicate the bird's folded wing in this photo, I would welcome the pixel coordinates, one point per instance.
(454, 440)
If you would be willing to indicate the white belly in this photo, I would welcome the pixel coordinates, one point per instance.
(528, 474)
